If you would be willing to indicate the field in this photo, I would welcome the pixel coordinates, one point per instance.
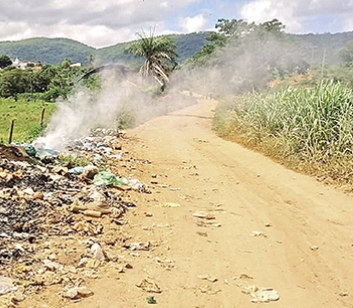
(27, 116)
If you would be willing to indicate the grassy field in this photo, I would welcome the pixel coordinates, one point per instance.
(27, 116)
(310, 130)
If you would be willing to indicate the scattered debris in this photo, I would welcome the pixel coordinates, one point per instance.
(261, 295)
(207, 277)
(258, 233)
(98, 252)
(208, 290)
(245, 276)
(171, 204)
(168, 264)
(201, 223)
(204, 215)
(204, 234)
(76, 293)
(46, 195)
(6, 285)
(149, 286)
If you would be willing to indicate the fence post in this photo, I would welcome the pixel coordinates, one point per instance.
(42, 118)
(11, 130)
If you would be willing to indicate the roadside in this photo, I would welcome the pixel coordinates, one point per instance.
(220, 220)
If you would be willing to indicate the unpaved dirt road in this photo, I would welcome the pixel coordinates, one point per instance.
(301, 247)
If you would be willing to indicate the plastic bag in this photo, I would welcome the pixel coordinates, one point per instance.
(6, 285)
(106, 178)
(30, 149)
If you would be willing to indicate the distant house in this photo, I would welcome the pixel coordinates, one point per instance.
(17, 63)
(36, 68)
(75, 65)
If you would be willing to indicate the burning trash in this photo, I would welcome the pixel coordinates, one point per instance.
(45, 195)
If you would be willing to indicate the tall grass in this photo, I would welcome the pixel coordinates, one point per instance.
(307, 128)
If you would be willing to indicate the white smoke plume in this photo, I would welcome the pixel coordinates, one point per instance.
(231, 70)
(86, 110)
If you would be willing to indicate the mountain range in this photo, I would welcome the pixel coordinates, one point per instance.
(316, 48)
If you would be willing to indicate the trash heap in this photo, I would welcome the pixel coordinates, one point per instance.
(47, 196)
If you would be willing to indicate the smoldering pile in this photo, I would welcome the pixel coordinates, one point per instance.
(44, 196)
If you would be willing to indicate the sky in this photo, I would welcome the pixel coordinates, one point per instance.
(100, 23)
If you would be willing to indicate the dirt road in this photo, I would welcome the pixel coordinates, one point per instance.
(266, 226)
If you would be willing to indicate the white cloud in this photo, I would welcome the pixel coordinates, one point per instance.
(194, 24)
(264, 10)
(348, 26)
(101, 23)
(94, 22)
(294, 14)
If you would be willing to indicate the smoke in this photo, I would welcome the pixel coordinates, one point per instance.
(241, 66)
(123, 96)
(246, 64)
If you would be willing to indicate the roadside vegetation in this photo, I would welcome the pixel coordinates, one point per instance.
(299, 115)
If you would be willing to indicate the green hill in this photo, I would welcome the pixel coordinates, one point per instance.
(56, 50)
(47, 50)
(314, 48)
(323, 48)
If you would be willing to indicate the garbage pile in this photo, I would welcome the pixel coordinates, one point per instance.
(44, 198)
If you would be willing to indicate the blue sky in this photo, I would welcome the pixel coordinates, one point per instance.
(100, 23)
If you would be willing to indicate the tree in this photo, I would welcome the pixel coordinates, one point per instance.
(226, 31)
(346, 54)
(160, 56)
(14, 82)
(5, 61)
(273, 26)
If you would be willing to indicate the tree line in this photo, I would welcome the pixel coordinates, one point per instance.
(270, 53)
(45, 82)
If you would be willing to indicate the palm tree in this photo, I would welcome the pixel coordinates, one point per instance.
(160, 56)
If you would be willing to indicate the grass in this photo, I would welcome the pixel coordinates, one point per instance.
(310, 130)
(27, 116)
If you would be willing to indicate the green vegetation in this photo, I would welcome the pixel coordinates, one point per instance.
(27, 116)
(307, 129)
(46, 83)
(125, 119)
(74, 160)
(313, 47)
(5, 61)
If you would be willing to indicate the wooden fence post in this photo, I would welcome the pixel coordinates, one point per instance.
(42, 118)
(11, 130)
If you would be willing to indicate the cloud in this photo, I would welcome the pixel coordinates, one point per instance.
(100, 23)
(194, 24)
(94, 22)
(348, 26)
(297, 14)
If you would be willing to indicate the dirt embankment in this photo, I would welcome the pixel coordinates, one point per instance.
(220, 220)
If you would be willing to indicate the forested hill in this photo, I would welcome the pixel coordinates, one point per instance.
(315, 48)
(47, 50)
(323, 48)
(55, 50)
